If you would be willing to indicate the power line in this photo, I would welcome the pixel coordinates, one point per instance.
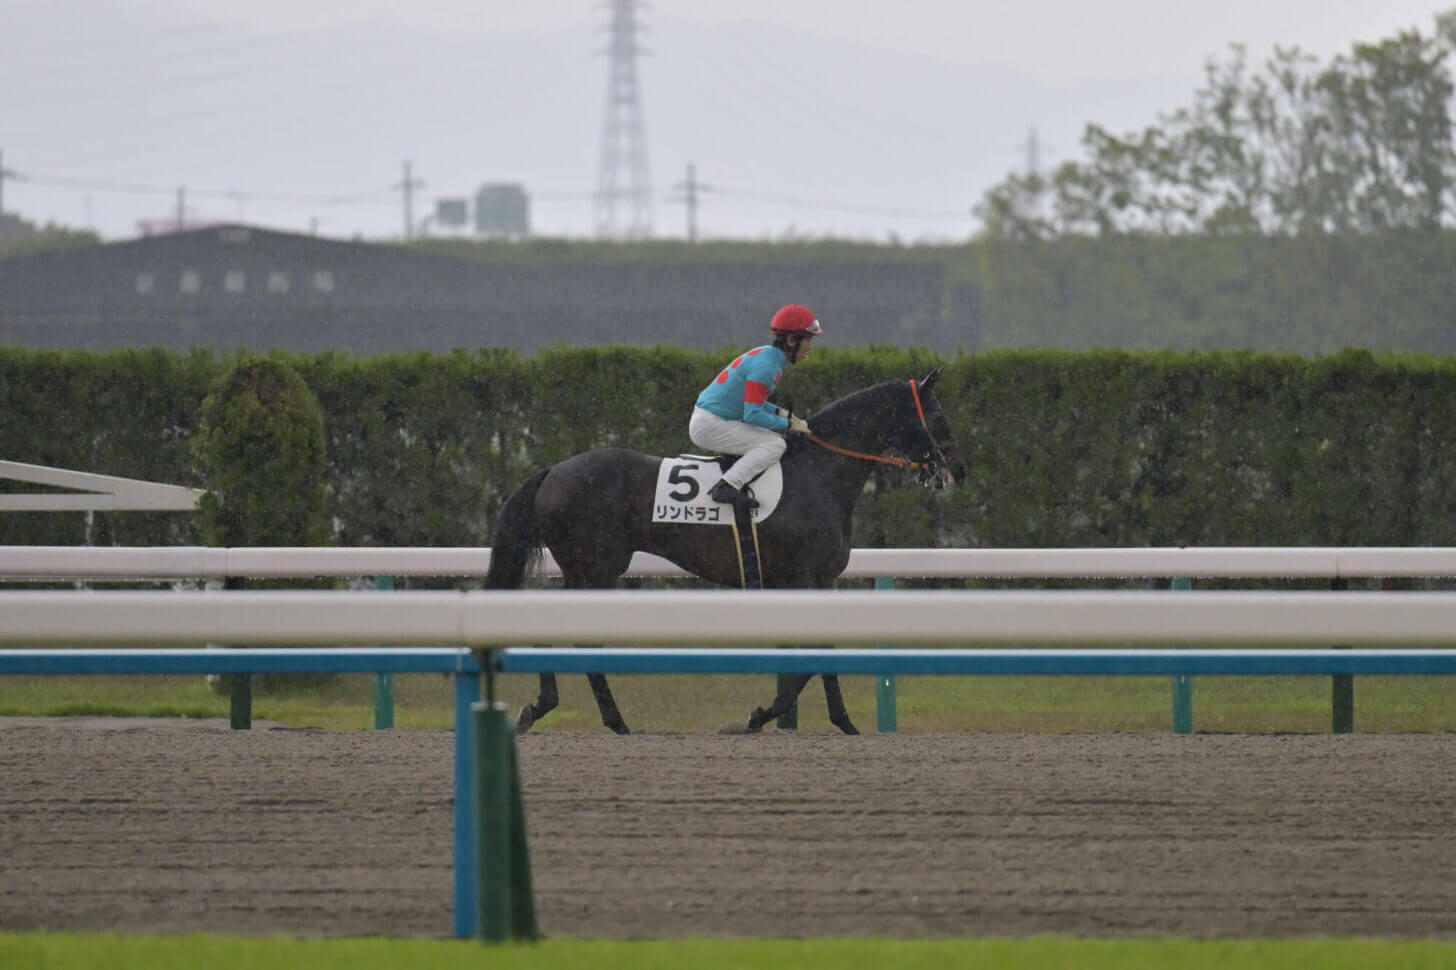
(688, 191)
(132, 188)
(799, 202)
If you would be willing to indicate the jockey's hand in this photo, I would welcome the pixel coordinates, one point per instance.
(798, 426)
(783, 412)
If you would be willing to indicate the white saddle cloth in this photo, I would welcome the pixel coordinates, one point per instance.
(682, 492)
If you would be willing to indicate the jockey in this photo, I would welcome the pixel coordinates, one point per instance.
(733, 415)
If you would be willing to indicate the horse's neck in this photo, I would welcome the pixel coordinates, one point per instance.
(861, 423)
(866, 430)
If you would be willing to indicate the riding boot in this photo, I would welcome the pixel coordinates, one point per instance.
(739, 498)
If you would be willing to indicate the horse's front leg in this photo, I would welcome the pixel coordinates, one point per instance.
(788, 696)
(545, 703)
(838, 716)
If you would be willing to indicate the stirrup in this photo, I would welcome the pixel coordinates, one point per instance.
(739, 498)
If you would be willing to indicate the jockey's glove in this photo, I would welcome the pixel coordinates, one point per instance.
(798, 425)
(783, 412)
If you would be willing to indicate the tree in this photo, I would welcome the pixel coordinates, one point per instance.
(1363, 145)
(260, 454)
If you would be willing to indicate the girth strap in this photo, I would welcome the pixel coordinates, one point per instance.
(745, 540)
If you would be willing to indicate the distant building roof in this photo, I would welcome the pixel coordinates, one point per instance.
(235, 286)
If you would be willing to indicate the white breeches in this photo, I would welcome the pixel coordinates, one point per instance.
(759, 447)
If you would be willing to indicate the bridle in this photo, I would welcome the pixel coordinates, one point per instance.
(931, 471)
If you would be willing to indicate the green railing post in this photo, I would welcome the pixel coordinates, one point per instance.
(886, 713)
(523, 896)
(505, 908)
(240, 686)
(1182, 683)
(383, 683)
(1342, 687)
(1342, 704)
(240, 702)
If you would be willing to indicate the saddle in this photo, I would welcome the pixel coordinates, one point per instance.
(724, 461)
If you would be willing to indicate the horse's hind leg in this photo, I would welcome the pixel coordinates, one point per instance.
(545, 703)
(793, 686)
(838, 716)
(607, 704)
(602, 573)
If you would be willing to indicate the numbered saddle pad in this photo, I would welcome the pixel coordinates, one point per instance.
(682, 492)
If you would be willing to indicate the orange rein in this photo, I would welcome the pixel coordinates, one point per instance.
(885, 459)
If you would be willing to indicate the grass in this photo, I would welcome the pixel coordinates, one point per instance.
(687, 703)
(73, 952)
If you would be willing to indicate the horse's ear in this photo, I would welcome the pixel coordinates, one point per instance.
(930, 379)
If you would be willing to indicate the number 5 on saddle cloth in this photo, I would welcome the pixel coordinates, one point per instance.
(682, 498)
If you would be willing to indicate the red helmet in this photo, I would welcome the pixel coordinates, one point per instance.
(794, 319)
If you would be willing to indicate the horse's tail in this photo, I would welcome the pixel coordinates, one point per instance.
(516, 546)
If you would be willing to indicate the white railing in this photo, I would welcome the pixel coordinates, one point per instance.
(1221, 562)
(670, 617)
(1168, 621)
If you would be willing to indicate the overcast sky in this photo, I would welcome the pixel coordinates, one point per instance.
(1065, 45)
(1055, 39)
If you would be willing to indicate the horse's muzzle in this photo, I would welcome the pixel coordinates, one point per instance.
(945, 468)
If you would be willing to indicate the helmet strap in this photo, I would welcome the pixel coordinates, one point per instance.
(789, 343)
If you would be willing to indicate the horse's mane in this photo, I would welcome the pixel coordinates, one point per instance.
(842, 414)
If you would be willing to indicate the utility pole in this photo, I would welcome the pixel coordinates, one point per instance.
(409, 184)
(690, 190)
(1033, 148)
(622, 179)
(4, 173)
(181, 208)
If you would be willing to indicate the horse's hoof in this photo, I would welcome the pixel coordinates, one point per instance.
(620, 728)
(524, 720)
(739, 727)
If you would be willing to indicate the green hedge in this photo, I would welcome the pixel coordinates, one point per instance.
(1066, 449)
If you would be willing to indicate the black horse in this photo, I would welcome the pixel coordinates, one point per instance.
(594, 510)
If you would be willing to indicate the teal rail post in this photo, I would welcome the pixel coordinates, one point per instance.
(886, 714)
(505, 905)
(1342, 687)
(383, 683)
(1182, 683)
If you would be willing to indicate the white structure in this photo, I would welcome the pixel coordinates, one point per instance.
(92, 493)
(262, 562)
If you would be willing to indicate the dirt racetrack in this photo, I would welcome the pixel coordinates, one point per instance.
(153, 826)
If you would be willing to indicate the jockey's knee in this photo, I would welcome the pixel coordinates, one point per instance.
(776, 447)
